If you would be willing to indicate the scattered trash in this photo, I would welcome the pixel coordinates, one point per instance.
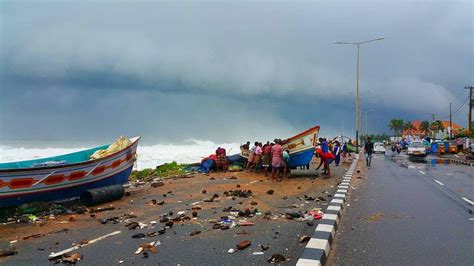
(231, 250)
(195, 232)
(96, 210)
(132, 225)
(276, 258)
(71, 259)
(266, 247)
(253, 203)
(138, 235)
(60, 253)
(148, 247)
(157, 184)
(258, 253)
(32, 236)
(270, 192)
(245, 223)
(244, 244)
(304, 238)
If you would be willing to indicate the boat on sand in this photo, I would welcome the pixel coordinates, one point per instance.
(67, 176)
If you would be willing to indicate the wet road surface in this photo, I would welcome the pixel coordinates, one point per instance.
(406, 213)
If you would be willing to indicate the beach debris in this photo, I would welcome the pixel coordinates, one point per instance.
(253, 203)
(245, 223)
(138, 235)
(194, 214)
(231, 251)
(156, 184)
(203, 191)
(169, 224)
(196, 208)
(244, 244)
(8, 252)
(258, 253)
(71, 258)
(195, 232)
(238, 193)
(213, 198)
(148, 247)
(151, 234)
(32, 236)
(304, 238)
(374, 217)
(162, 231)
(100, 209)
(310, 223)
(264, 247)
(164, 219)
(132, 225)
(60, 253)
(237, 186)
(276, 258)
(270, 192)
(284, 198)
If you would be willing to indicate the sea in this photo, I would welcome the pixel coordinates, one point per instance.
(148, 156)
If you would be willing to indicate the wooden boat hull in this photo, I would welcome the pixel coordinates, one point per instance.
(23, 185)
(301, 147)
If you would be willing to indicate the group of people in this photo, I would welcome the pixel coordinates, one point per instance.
(266, 155)
(273, 155)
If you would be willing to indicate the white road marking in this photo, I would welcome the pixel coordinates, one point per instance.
(423, 173)
(441, 184)
(468, 201)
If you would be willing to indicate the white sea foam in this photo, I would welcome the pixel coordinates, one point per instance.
(148, 156)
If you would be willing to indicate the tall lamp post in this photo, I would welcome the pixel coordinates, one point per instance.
(366, 112)
(357, 84)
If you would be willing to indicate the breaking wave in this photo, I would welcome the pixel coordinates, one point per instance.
(190, 151)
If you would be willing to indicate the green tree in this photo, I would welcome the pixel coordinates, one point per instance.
(425, 127)
(396, 125)
(407, 125)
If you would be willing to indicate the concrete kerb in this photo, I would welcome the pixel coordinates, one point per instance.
(318, 247)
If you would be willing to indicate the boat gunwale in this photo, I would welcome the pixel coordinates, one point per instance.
(302, 133)
(15, 170)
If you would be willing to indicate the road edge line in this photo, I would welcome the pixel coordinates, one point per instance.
(319, 246)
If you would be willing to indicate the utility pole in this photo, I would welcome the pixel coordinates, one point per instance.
(471, 104)
(450, 123)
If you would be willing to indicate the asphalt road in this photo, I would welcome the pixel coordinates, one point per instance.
(406, 213)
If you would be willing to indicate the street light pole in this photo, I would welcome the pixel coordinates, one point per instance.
(357, 126)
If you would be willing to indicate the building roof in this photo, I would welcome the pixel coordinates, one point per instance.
(416, 131)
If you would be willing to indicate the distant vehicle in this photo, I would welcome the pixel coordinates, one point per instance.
(416, 149)
(470, 152)
(379, 147)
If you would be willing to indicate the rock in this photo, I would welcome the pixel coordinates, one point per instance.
(231, 250)
(8, 252)
(253, 203)
(195, 232)
(138, 235)
(270, 192)
(169, 224)
(244, 244)
(194, 213)
(157, 184)
(266, 247)
(276, 258)
(164, 219)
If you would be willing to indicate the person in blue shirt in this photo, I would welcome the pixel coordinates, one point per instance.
(337, 152)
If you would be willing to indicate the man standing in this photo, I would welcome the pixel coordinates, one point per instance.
(277, 158)
(368, 150)
(337, 152)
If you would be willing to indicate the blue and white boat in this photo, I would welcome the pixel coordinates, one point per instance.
(65, 176)
(301, 147)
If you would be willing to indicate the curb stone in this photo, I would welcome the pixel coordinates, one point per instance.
(318, 247)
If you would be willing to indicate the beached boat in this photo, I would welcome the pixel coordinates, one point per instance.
(300, 146)
(65, 176)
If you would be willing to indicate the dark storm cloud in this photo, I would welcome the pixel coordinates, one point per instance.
(180, 63)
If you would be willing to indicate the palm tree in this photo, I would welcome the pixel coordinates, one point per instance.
(408, 126)
(437, 126)
(393, 125)
(425, 127)
(400, 126)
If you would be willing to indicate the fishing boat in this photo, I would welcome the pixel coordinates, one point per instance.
(66, 176)
(301, 147)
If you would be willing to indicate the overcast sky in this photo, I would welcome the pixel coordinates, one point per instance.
(226, 70)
